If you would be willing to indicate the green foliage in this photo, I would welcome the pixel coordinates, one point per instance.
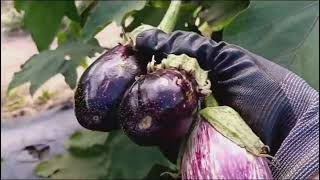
(43, 18)
(86, 139)
(153, 12)
(305, 60)
(39, 68)
(79, 161)
(107, 11)
(130, 161)
(218, 14)
(114, 157)
(71, 34)
(271, 29)
(69, 166)
(283, 32)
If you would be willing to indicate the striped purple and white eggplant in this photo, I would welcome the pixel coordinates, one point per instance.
(210, 155)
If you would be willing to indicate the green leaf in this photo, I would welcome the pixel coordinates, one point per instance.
(130, 161)
(41, 67)
(43, 18)
(154, 11)
(89, 5)
(69, 166)
(87, 158)
(305, 60)
(71, 34)
(118, 158)
(284, 32)
(107, 11)
(71, 11)
(218, 14)
(86, 139)
(151, 14)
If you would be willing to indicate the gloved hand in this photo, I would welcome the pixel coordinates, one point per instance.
(281, 108)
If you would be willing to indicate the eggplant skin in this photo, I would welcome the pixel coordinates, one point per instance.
(210, 155)
(102, 86)
(159, 107)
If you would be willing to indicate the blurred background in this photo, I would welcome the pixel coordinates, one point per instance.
(40, 137)
(17, 47)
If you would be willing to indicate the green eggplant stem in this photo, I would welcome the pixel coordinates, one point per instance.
(169, 20)
(167, 23)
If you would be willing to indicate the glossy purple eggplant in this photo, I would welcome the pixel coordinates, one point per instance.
(102, 86)
(159, 107)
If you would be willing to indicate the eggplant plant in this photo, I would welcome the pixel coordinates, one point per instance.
(158, 104)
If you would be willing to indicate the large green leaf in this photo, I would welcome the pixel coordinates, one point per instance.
(153, 12)
(43, 18)
(285, 32)
(130, 161)
(218, 14)
(87, 158)
(69, 166)
(107, 11)
(71, 34)
(305, 60)
(41, 67)
(118, 158)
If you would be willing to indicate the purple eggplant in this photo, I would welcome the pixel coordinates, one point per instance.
(159, 107)
(102, 86)
(210, 155)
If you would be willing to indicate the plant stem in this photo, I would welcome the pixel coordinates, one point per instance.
(167, 23)
(169, 20)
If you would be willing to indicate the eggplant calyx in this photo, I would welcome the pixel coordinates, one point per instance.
(190, 65)
(229, 123)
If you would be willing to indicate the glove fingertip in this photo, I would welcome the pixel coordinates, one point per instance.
(148, 40)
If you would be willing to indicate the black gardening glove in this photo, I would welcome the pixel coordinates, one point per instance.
(281, 108)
